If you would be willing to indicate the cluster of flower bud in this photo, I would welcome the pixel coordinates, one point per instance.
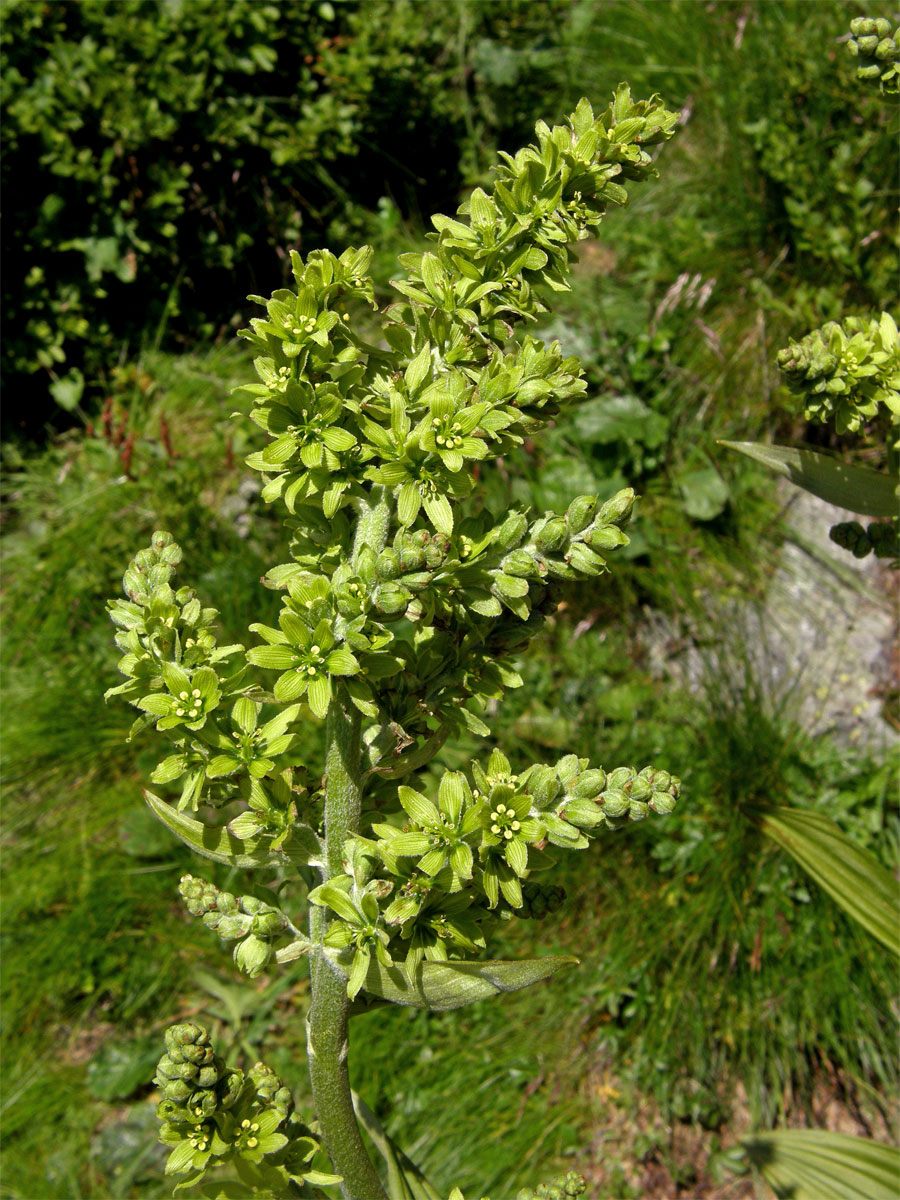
(561, 1188)
(271, 1090)
(881, 538)
(540, 900)
(193, 1079)
(157, 625)
(846, 371)
(587, 798)
(250, 922)
(407, 567)
(877, 48)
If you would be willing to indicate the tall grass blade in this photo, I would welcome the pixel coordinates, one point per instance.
(853, 877)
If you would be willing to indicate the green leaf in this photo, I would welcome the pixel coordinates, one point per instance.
(212, 841)
(68, 390)
(440, 514)
(442, 986)
(813, 1164)
(405, 1181)
(858, 489)
(408, 504)
(272, 658)
(853, 877)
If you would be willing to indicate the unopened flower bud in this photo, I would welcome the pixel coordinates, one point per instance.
(850, 535)
(589, 784)
(584, 560)
(553, 536)
(614, 802)
(520, 562)
(580, 512)
(391, 599)
(606, 537)
(617, 510)
(387, 565)
(511, 531)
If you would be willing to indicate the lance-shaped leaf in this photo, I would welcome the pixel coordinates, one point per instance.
(858, 489)
(853, 877)
(215, 841)
(445, 985)
(813, 1164)
(404, 1179)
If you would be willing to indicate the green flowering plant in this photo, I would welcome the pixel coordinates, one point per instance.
(848, 372)
(403, 601)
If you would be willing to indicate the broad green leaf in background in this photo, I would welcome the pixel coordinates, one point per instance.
(446, 985)
(704, 493)
(855, 488)
(813, 1164)
(68, 389)
(853, 877)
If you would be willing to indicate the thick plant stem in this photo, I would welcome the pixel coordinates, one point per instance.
(373, 523)
(327, 1027)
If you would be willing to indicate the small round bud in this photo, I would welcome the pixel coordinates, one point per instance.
(580, 512)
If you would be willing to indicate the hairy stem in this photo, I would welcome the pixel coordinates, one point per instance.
(327, 1027)
(373, 523)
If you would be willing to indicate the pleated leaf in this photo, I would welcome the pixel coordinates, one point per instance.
(853, 877)
(812, 1164)
(442, 986)
(858, 489)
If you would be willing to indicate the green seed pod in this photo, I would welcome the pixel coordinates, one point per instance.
(436, 551)
(580, 513)
(544, 786)
(553, 536)
(861, 26)
(589, 784)
(540, 900)
(886, 51)
(569, 767)
(617, 510)
(387, 565)
(638, 810)
(412, 558)
(511, 531)
(867, 45)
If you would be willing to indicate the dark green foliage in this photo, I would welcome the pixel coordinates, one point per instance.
(160, 155)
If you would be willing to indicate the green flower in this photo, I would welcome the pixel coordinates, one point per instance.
(307, 657)
(438, 836)
(188, 700)
(251, 749)
(360, 926)
(256, 1136)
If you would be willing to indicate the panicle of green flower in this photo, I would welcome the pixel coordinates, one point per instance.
(881, 538)
(175, 672)
(846, 371)
(434, 887)
(193, 1079)
(878, 50)
(560, 1188)
(213, 1116)
(252, 923)
(419, 416)
(271, 1089)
